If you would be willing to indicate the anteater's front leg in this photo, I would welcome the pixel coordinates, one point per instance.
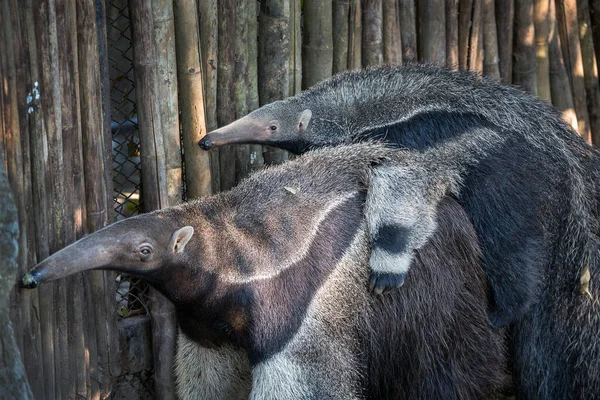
(400, 212)
(202, 373)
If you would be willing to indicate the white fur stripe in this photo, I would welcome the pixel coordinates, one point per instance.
(384, 261)
(303, 250)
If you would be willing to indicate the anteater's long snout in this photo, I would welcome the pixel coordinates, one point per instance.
(91, 252)
(243, 131)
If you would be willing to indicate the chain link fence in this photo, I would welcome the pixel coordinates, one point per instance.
(132, 293)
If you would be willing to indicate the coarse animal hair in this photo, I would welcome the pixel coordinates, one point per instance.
(529, 183)
(269, 285)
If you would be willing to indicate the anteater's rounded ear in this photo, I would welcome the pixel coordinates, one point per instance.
(304, 120)
(180, 238)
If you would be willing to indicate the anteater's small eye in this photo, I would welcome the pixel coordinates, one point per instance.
(146, 254)
(273, 127)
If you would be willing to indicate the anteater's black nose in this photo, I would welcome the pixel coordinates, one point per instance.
(30, 280)
(205, 143)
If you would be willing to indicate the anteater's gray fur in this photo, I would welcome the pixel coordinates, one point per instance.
(531, 188)
(269, 284)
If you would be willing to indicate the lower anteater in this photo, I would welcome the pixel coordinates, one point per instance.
(269, 284)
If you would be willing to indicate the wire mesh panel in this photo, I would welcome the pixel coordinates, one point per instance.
(132, 293)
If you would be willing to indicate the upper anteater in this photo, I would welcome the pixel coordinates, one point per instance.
(529, 184)
(271, 276)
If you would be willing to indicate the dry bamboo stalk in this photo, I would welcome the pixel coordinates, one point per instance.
(191, 95)
(464, 32)
(541, 8)
(39, 169)
(242, 152)
(590, 69)
(432, 31)
(110, 286)
(105, 87)
(164, 41)
(595, 15)
(51, 101)
(475, 61)
(525, 63)
(392, 43)
(154, 174)
(295, 65)
(97, 206)
(225, 87)
(256, 160)
(490, 41)
(452, 34)
(71, 131)
(341, 17)
(208, 21)
(372, 35)
(408, 30)
(505, 11)
(30, 305)
(317, 46)
(560, 88)
(355, 36)
(273, 60)
(48, 163)
(568, 29)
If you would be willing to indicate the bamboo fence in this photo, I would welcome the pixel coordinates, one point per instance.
(200, 64)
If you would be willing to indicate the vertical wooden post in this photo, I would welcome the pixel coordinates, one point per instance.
(242, 152)
(432, 31)
(273, 60)
(73, 163)
(590, 68)
(208, 21)
(452, 34)
(225, 86)
(560, 88)
(164, 42)
(595, 16)
(191, 95)
(97, 205)
(408, 31)
(568, 28)
(110, 286)
(505, 13)
(295, 67)
(27, 247)
(317, 46)
(154, 189)
(490, 40)
(38, 147)
(46, 162)
(525, 63)
(541, 8)
(372, 35)
(392, 42)
(256, 160)
(355, 35)
(464, 32)
(341, 17)
(475, 61)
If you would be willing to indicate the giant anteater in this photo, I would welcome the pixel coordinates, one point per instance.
(269, 284)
